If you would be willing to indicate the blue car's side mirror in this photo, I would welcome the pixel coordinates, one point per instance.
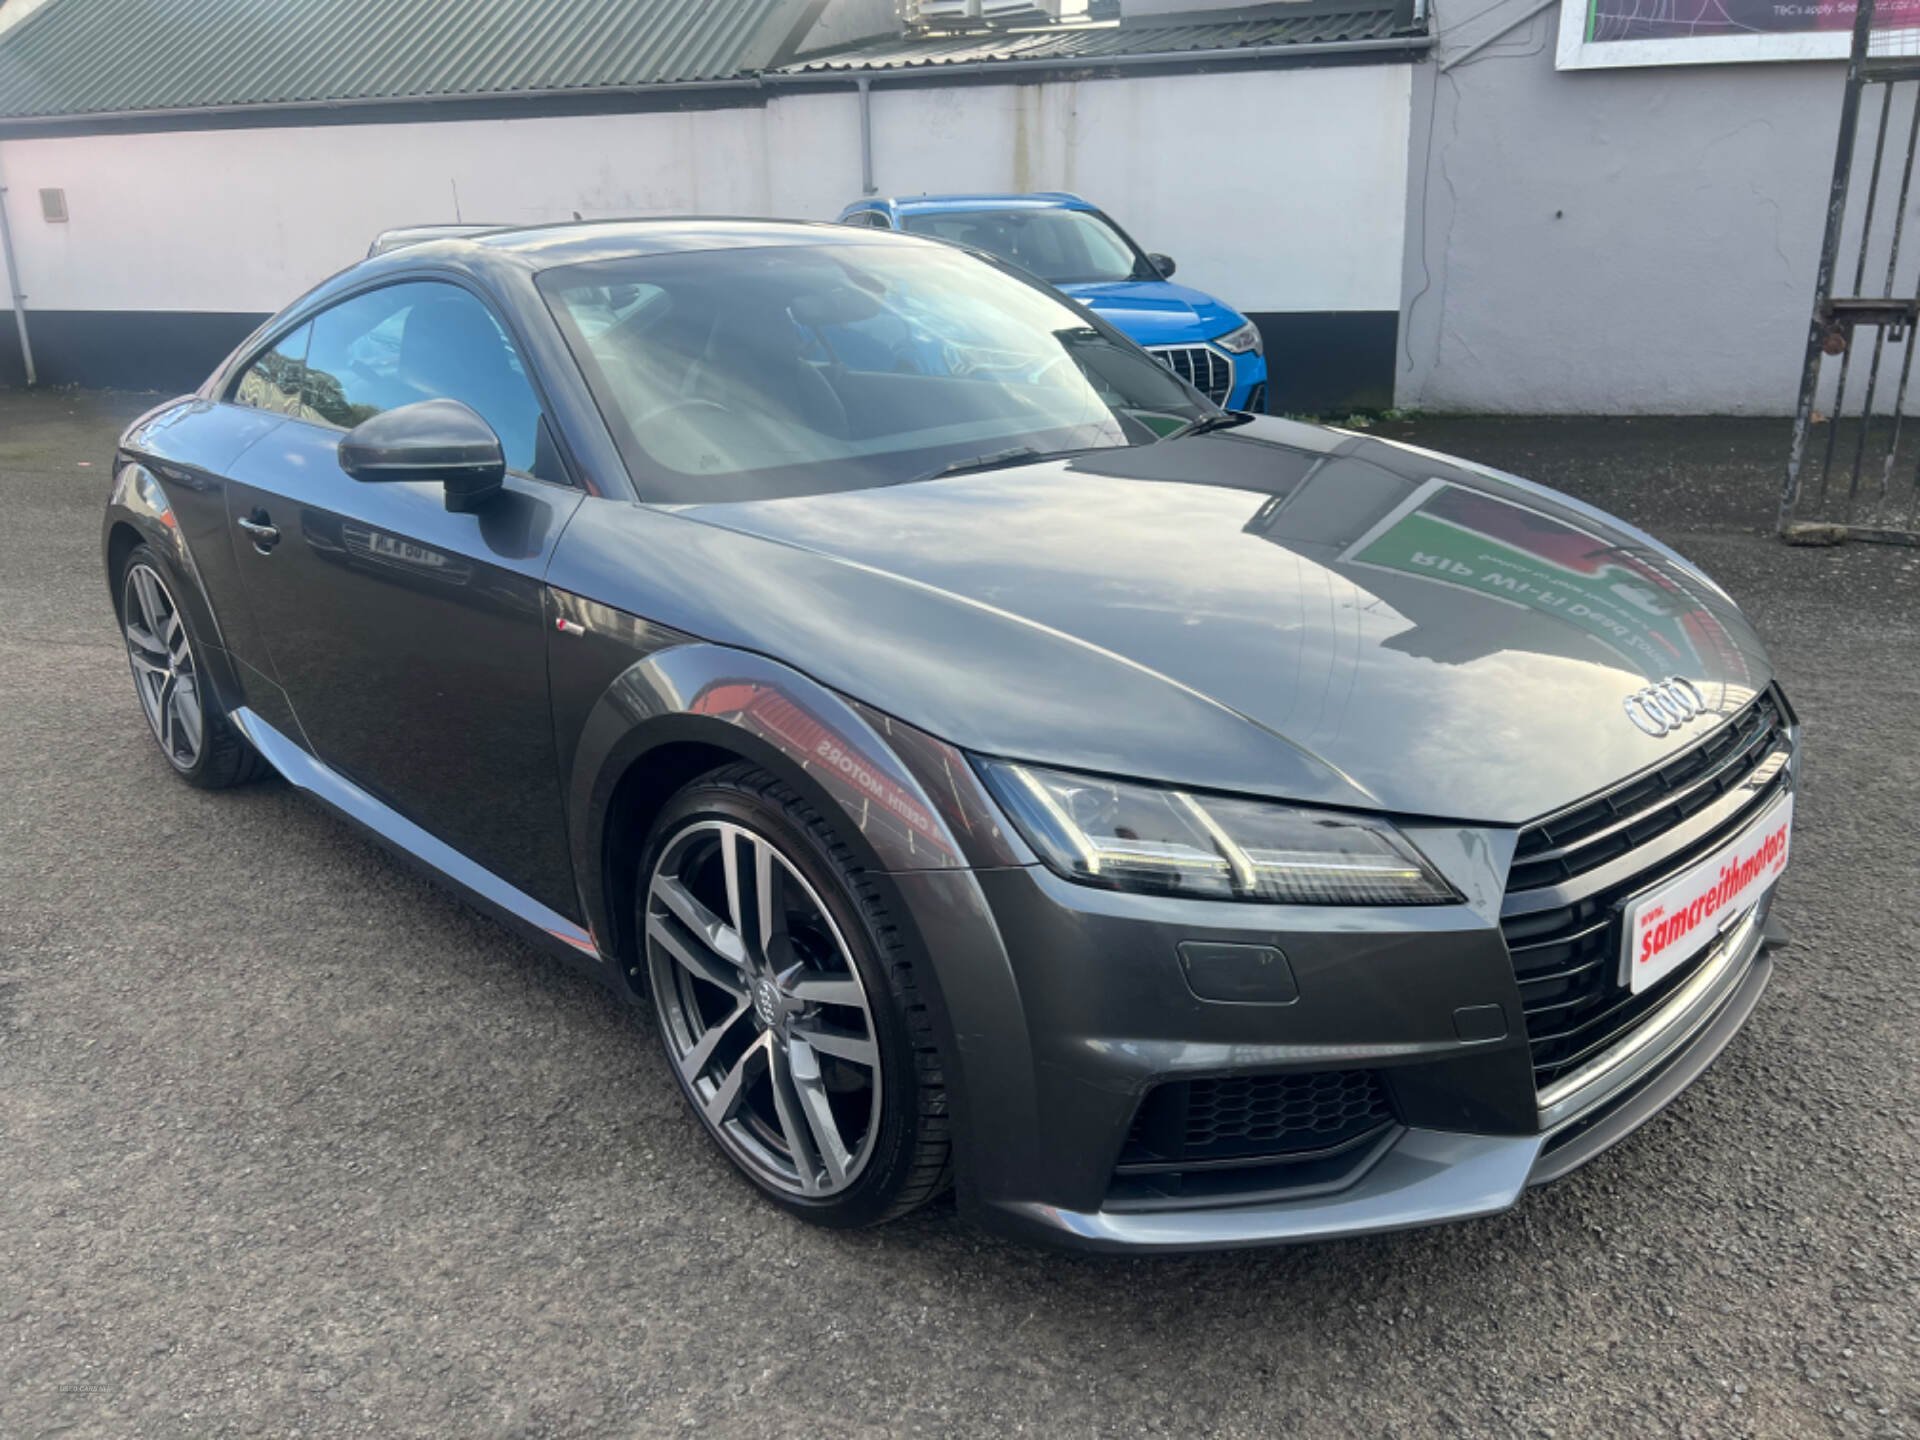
(1164, 264)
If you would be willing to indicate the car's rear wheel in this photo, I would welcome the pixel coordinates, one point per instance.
(164, 654)
(787, 1005)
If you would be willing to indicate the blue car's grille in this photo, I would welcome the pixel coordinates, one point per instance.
(1201, 366)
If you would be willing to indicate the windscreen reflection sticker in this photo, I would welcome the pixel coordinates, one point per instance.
(1512, 552)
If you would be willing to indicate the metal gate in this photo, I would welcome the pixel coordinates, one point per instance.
(1857, 476)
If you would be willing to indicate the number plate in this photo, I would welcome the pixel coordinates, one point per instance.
(391, 547)
(1668, 926)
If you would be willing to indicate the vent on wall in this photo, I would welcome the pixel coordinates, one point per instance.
(53, 206)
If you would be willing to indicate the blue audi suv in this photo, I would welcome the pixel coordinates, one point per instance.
(1075, 247)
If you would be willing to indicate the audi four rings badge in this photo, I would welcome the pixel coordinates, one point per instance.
(1665, 706)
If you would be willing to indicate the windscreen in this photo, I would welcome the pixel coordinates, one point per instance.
(791, 370)
(1062, 247)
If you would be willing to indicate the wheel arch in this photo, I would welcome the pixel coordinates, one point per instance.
(649, 781)
(690, 708)
(122, 540)
(139, 513)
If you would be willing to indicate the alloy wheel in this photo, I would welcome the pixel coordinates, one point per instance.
(763, 1009)
(164, 672)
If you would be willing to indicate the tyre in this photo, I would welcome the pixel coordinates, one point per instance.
(787, 1004)
(164, 652)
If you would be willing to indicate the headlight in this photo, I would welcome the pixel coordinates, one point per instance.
(1168, 842)
(1240, 341)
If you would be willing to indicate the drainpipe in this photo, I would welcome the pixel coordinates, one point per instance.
(865, 82)
(13, 286)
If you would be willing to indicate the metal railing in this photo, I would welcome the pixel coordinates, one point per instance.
(1860, 479)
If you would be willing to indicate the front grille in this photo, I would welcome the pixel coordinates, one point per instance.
(1247, 1116)
(1201, 366)
(1566, 957)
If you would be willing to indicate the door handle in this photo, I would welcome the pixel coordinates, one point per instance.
(265, 536)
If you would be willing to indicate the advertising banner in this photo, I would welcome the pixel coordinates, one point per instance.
(1595, 33)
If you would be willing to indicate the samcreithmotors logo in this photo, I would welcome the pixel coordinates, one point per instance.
(1663, 708)
(1731, 890)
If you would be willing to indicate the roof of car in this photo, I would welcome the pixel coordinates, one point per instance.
(415, 234)
(546, 246)
(530, 249)
(1038, 200)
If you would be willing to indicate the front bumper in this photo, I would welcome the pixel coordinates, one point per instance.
(1249, 383)
(1068, 1008)
(1429, 1177)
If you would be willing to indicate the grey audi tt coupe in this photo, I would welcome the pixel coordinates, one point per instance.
(983, 760)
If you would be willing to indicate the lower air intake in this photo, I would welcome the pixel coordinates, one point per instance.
(1231, 1139)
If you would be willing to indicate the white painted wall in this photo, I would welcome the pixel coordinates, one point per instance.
(1611, 242)
(1277, 190)
(1299, 206)
(244, 220)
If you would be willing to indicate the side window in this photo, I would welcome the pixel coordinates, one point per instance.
(272, 382)
(420, 341)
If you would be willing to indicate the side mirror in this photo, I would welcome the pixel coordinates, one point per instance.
(439, 440)
(1164, 264)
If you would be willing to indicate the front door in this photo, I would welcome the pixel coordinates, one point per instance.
(410, 639)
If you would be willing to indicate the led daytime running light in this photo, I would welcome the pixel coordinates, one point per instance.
(1125, 836)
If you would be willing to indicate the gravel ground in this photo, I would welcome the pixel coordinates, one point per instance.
(294, 1144)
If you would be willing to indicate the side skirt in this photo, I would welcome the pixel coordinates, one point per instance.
(439, 860)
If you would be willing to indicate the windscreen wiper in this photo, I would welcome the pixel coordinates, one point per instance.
(1226, 420)
(1018, 455)
(1005, 459)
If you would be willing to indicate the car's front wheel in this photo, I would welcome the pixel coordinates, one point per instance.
(165, 653)
(787, 1004)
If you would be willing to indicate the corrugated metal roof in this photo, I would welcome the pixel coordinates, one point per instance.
(1296, 22)
(91, 57)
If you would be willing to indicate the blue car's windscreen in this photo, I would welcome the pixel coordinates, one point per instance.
(1062, 247)
(787, 370)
